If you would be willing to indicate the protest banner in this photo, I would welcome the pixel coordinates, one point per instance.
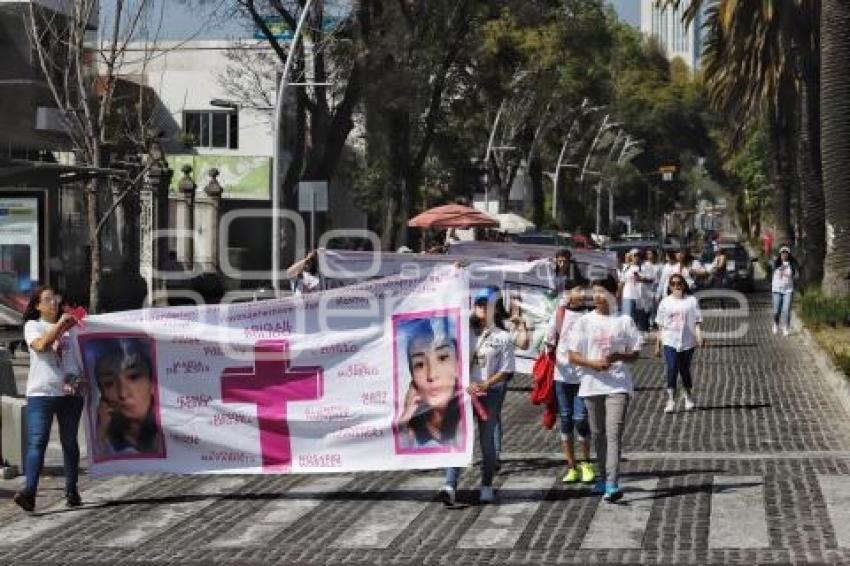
(527, 285)
(591, 262)
(369, 377)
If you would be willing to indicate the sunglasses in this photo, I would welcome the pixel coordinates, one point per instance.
(677, 284)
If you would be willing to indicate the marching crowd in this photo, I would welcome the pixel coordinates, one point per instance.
(596, 331)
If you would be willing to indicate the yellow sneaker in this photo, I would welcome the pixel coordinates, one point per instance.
(571, 476)
(588, 475)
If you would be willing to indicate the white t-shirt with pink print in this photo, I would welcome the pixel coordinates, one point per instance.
(595, 336)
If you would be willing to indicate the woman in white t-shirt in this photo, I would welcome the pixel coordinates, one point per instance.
(491, 352)
(601, 345)
(304, 275)
(680, 321)
(785, 271)
(52, 390)
(633, 277)
(571, 409)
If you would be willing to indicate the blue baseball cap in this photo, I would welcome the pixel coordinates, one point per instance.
(486, 294)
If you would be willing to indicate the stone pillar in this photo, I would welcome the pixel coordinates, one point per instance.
(153, 216)
(213, 191)
(187, 188)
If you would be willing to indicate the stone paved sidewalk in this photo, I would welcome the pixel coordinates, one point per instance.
(759, 473)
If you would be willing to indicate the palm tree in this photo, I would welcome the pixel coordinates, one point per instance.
(761, 58)
(835, 142)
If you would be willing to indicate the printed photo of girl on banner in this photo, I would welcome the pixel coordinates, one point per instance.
(123, 402)
(429, 409)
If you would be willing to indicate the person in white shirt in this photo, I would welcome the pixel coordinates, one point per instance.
(304, 274)
(571, 409)
(601, 345)
(491, 353)
(680, 320)
(668, 269)
(52, 389)
(632, 280)
(653, 270)
(785, 271)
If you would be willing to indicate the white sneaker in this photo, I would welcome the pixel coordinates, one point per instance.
(775, 328)
(670, 406)
(447, 495)
(786, 331)
(689, 404)
(486, 495)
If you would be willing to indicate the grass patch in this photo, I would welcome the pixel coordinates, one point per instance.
(836, 342)
(828, 319)
(816, 310)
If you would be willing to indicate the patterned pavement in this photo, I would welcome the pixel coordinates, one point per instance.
(759, 473)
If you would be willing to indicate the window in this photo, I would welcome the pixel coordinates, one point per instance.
(212, 128)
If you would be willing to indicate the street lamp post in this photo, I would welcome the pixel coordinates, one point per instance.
(278, 117)
(584, 110)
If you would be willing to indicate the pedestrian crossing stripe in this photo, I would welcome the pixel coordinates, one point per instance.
(738, 518)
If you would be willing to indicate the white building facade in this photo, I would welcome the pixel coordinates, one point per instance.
(665, 25)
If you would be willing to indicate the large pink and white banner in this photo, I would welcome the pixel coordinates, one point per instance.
(367, 377)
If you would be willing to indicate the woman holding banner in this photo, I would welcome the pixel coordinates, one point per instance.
(600, 345)
(491, 362)
(52, 389)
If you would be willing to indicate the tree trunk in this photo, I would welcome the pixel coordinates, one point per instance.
(835, 143)
(784, 182)
(814, 228)
(94, 246)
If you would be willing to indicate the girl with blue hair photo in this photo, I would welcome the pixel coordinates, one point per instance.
(431, 408)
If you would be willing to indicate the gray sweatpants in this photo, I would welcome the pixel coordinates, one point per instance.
(606, 414)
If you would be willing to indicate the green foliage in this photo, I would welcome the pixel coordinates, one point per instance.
(818, 309)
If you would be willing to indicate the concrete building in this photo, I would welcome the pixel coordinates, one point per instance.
(664, 24)
(207, 125)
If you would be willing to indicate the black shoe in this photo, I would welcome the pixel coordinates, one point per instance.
(73, 499)
(25, 501)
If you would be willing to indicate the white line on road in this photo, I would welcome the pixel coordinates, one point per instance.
(621, 525)
(152, 522)
(501, 525)
(385, 520)
(738, 517)
(836, 493)
(271, 519)
(57, 515)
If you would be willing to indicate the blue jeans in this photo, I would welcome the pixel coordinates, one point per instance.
(492, 401)
(630, 307)
(40, 410)
(497, 431)
(571, 411)
(782, 308)
(678, 363)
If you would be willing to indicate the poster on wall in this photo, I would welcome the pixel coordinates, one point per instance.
(19, 251)
(370, 377)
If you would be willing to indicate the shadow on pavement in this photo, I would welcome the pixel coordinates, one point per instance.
(738, 406)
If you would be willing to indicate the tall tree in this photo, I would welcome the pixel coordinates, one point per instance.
(83, 78)
(835, 143)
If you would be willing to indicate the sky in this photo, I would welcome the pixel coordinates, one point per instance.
(180, 23)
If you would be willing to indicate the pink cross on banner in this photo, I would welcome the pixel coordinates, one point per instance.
(270, 385)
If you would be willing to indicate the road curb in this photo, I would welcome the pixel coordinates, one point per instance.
(834, 376)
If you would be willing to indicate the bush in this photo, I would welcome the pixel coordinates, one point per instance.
(816, 309)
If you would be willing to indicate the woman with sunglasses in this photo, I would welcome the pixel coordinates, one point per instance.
(680, 321)
(52, 389)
